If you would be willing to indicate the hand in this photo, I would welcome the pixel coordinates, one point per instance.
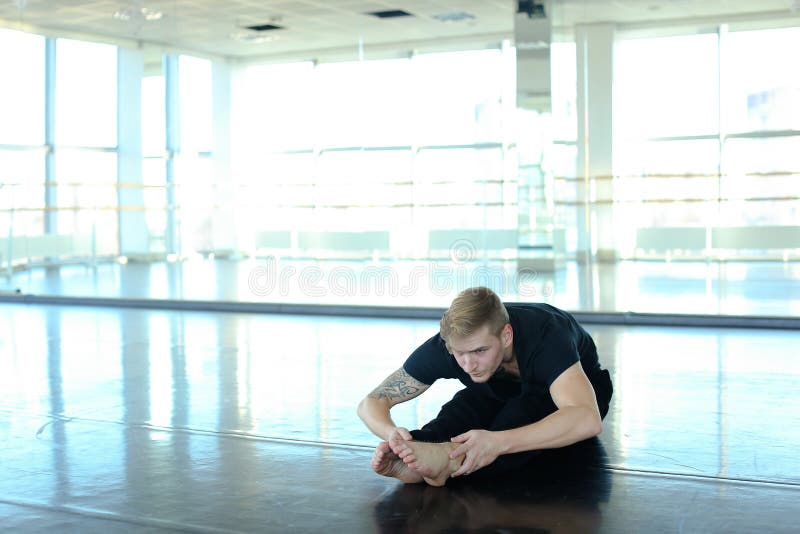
(401, 433)
(481, 448)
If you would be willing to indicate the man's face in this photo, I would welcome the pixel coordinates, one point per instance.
(481, 353)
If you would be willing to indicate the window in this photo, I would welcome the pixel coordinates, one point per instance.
(274, 109)
(22, 89)
(365, 103)
(154, 121)
(564, 87)
(196, 109)
(412, 143)
(457, 96)
(87, 196)
(86, 94)
(666, 86)
(761, 82)
(196, 194)
(22, 179)
(675, 164)
(22, 133)
(154, 166)
(86, 140)
(759, 184)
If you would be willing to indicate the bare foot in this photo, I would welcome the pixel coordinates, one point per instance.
(387, 463)
(431, 460)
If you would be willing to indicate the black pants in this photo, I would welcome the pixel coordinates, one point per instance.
(470, 410)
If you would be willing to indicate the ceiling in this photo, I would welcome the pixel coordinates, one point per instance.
(311, 28)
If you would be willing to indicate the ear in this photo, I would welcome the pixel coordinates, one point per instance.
(507, 335)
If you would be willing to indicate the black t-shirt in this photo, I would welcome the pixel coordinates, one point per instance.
(547, 341)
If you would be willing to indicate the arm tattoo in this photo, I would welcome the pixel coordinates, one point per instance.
(400, 385)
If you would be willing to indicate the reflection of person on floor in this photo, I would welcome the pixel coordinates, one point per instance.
(533, 382)
(559, 490)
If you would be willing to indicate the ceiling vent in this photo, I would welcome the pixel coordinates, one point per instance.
(533, 9)
(390, 14)
(263, 27)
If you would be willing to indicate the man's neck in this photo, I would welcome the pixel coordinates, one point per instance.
(508, 366)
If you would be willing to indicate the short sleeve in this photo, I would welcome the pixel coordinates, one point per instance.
(430, 361)
(556, 352)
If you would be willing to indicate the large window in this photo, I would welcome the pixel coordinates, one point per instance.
(761, 108)
(86, 144)
(22, 90)
(196, 194)
(86, 94)
(667, 86)
(179, 187)
(761, 80)
(195, 104)
(87, 192)
(706, 135)
(458, 96)
(760, 181)
(154, 147)
(415, 144)
(564, 88)
(21, 133)
(562, 157)
(22, 192)
(367, 103)
(274, 107)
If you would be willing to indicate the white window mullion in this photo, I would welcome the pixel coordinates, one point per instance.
(50, 190)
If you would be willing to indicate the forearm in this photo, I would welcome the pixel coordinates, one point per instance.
(563, 427)
(375, 414)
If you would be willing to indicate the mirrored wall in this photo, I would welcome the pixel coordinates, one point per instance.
(401, 180)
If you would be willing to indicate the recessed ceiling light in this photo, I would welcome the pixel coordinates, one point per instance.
(122, 14)
(142, 13)
(151, 14)
(458, 16)
(248, 36)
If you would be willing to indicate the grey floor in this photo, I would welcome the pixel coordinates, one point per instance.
(118, 420)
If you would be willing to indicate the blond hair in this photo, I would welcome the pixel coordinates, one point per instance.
(472, 309)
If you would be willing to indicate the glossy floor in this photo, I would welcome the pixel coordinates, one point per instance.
(156, 421)
(711, 288)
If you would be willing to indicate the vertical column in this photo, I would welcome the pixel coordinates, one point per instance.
(595, 55)
(50, 190)
(533, 37)
(224, 236)
(133, 233)
(722, 130)
(173, 149)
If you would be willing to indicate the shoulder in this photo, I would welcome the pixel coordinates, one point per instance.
(541, 330)
(430, 361)
(537, 313)
(530, 321)
(434, 345)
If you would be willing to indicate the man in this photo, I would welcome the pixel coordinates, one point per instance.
(533, 381)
